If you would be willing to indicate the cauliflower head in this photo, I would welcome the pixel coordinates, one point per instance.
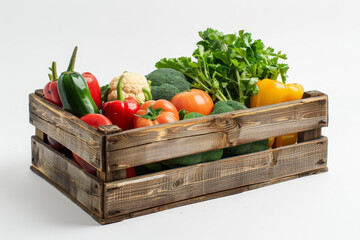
(132, 86)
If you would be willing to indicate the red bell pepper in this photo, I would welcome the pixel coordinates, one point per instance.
(50, 90)
(121, 111)
(94, 88)
(95, 120)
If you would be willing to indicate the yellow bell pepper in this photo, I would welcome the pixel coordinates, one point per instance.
(272, 92)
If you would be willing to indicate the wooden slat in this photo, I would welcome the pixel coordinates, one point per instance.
(309, 135)
(208, 197)
(179, 203)
(68, 130)
(312, 133)
(157, 143)
(312, 93)
(82, 186)
(126, 196)
(109, 129)
(39, 134)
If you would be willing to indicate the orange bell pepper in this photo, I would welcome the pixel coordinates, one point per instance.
(272, 92)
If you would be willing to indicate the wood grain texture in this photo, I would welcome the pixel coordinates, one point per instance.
(209, 196)
(142, 146)
(179, 203)
(109, 129)
(126, 196)
(68, 130)
(309, 135)
(85, 188)
(39, 134)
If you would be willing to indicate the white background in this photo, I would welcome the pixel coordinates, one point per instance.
(321, 39)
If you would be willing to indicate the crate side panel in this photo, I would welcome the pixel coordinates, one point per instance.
(210, 196)
(67, 129)
(85, 188)
(271, 114)
(131, 195)
(214, 132)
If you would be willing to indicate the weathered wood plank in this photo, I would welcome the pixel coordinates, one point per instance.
(157, 143)
(209, 196)
(111, 176)
(179, 203)
(109, 129)
(39, 134)
(63, 191)
(85, 188)
(126, 196)
(309, 135)
(68, 130)
(312, 93)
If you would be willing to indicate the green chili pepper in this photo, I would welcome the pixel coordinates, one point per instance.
(74, 91)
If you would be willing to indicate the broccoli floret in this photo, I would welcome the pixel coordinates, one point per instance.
(168, 77)
(165, 91)
(227, 106)
(246, 148)
(184, 161)
(212, 155)
(193, 115)
(194, 159)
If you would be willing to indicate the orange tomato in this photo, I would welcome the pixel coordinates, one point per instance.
(194, 100)
(169, 113)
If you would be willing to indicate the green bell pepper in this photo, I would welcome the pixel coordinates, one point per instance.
(74, 91)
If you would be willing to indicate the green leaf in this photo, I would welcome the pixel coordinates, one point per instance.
(219, 57)
(104, 91)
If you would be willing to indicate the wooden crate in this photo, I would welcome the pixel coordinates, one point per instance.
(110, 197)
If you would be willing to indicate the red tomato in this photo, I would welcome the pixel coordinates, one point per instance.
(95, 120)
(169, 113)
(194, 100)
(82, 163)
(130, 172)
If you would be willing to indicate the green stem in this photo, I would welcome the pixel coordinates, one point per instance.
(119, 89)
(54, 71)
(147, 94)
(182, 114)
(218, 97)
(72, 61)
(205, 68)
(247, 62)
(241, 93)
(275, 75)
(106, 94)
(228, 93)
(203, 85)
(51, 77)
(151, 113)
(222, 96)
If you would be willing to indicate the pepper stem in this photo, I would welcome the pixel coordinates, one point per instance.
(182, 114)
(151, 113)
(147, 94)
(51, 77)
(119, 89)
(54, 71)
(72, 61)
